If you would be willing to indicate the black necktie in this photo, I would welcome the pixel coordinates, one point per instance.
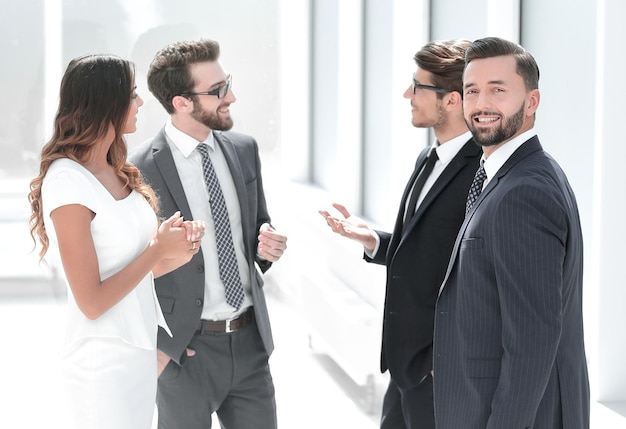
(476, 188)
(419, 184)
(227, 261)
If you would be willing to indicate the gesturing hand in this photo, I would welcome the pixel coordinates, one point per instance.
(350, 226)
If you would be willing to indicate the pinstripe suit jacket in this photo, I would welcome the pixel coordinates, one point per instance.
(181, 292)
(509, 349)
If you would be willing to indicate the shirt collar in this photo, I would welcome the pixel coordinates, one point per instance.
(449, 149)
(504, 152)
(184, 142)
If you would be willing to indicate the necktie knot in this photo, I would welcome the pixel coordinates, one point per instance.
(203, 148)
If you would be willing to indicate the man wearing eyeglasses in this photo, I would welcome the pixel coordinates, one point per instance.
(217, 359)
(417, 252)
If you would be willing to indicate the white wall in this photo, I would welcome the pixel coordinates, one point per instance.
(608, 203)
(578, 45)
(32, 65)
(319, 84)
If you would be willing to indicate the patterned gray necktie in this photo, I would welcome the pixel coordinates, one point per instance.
(229, 270)
(476, 188)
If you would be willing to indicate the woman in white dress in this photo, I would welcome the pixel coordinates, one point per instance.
(92, 204)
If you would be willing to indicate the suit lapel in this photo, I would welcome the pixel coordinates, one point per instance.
(162, 154)
(530, 146)
(397, 232)
(234, 165)
(460, 160)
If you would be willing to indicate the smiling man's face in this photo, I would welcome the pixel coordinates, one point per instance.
(496, 104)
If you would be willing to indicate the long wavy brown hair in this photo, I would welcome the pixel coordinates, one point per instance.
(95, 93)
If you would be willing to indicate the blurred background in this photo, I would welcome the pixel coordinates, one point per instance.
(319, 84)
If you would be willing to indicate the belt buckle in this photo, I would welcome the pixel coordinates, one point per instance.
(228, 329)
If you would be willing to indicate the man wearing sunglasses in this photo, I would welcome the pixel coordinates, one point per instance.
(217, 359)
(417, 252)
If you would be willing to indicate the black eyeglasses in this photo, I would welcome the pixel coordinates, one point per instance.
(220, 91)
(428, 87)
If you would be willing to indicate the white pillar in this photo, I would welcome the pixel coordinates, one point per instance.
(53, 69)
(610, 202)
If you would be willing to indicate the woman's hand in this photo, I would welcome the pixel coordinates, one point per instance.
(171, 239)
(194, 230)
(182, 240)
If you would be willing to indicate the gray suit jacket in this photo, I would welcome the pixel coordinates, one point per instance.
(181, 292)
(508, 347)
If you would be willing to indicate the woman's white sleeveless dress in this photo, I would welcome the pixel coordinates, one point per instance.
(108, 364)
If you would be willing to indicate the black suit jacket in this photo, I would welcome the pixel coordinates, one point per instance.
(509, 347)
(416, 261)
(181, 292)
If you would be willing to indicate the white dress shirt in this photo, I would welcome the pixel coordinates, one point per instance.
(189, 165)
(445, 152)
(503, 153)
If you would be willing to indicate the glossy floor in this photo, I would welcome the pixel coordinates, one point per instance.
(311, 390)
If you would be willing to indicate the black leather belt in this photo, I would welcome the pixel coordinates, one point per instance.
(229, 325)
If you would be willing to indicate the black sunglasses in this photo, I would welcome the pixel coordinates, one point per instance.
(220, 91)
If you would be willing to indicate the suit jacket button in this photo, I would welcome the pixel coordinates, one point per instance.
(199, 302)
(200, 268)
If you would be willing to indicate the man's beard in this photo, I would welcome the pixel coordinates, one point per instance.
(442, 119)
(211, 119)
(506, 130)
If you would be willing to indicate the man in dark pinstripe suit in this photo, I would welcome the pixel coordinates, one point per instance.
(508, 346)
